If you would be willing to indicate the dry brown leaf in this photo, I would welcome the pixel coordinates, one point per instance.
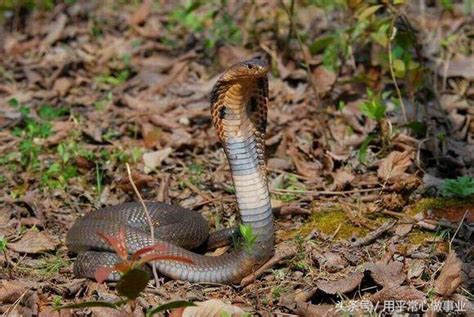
(140, 180)
(55, 30)
(211, 308)
(10, 291)
(460, 67)
(62, 85)
(399, 293)
(394, 165)
(304, 168)
(34, 242)
(152, 160)
(450, 277)
(342, 177)
(140, 15)
(332, 262)
(415, 268)
(387, 274)
(310, 310)
(341, 286)
(61, 131)
(324, 79)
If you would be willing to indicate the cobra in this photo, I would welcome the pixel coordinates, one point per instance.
(239, 102)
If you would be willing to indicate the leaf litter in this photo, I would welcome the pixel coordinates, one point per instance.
(135, 81)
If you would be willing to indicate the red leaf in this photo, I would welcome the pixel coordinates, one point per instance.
(102, 273)
(158, 257)
(160, 247)
(118, 244)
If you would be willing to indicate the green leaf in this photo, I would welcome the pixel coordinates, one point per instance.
(368, 12)
(373, 109)
(320, 44)
(399, 68)
(462, 187)
(249, 237)
(132, 283)
(168, 306)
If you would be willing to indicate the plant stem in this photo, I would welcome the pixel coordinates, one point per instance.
(148, 218)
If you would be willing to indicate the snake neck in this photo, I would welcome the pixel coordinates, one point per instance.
(244, 152)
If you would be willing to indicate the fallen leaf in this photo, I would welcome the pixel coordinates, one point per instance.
(332, 262)
(342, 285)
(140, 180)
(415, 268)
(55, 30)
(459, 67)
(399, 293)
(324, 79)
(387, 274)
(342, 177)
(140, 15)
(324, 310)
(34, 242)
(10, 291)
(152, 160)
(450, 277)
(212, 308)
(304, 168)
(394, 165)
(62, 85)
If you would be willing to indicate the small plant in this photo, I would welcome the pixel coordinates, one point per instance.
(133, 278)
(374, 108)
(52, 265)
(114, 80)
(462, 187)
(57, 302)
(3, 244)
(248, 236)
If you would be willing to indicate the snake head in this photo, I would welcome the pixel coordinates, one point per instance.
(249, 69)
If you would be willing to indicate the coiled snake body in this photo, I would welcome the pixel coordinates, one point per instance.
(239, 103)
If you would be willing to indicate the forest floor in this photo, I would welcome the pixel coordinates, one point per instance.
(370, 128)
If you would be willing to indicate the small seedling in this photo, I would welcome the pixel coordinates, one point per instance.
(248, 236)
(374, 108)
(133, 278)
(462, 187)
(3, 244)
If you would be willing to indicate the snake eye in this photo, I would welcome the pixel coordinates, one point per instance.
(249, 66)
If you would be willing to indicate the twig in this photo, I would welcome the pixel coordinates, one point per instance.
(371, 236)
(300, 44)
(459, 227)
(392, 72)
(280, 254)
(148, 218)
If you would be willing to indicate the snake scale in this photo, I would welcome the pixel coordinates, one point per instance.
(239, 102)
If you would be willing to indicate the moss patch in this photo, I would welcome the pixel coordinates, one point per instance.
(451, 209)
(327, 221)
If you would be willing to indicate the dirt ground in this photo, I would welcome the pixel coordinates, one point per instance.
(371, 111)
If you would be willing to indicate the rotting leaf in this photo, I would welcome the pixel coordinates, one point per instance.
(450, 277)
(342, 285)
(34, 242)
(394, 165)
(387, 274)
(397, 292)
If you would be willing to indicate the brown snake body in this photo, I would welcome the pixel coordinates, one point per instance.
(239, 102)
